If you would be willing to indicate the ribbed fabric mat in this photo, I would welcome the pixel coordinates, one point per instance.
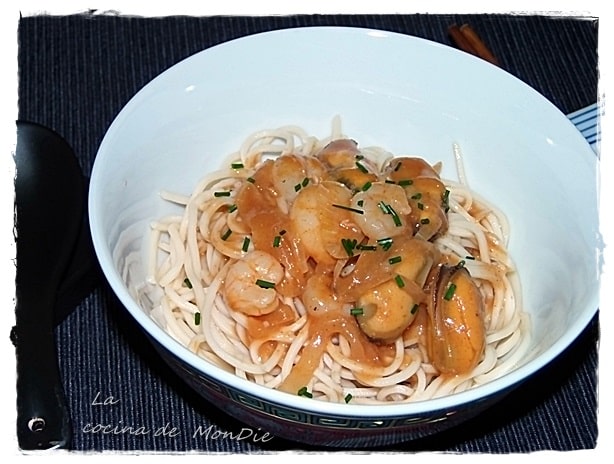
(75, 74)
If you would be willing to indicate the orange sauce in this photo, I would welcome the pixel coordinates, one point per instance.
(321, 331)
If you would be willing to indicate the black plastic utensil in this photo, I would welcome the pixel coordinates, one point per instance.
(49, 211)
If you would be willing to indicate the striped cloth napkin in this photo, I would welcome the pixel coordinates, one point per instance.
(587, 121)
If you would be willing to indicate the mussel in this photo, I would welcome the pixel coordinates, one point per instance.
(456, 336)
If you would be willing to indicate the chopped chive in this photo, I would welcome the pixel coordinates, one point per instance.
(251, 180)
(237, 165)
(366, 247)
(360, 203)
(348, 398)
(187, 282)
(395, 260)
(469, 257)
(361, 168)
(385, 243)
(282, 231)
(416, 196)
(461, 263)
(304, 392)
(405, 182)
(383, 207)
(445, 200)
(221, 194)
(414, 308)
(424, 221)
(395, 217)
(420, 206)
(399, 280)
(197, 318)
(398, 166)
(305, 182)
(348, 246)
(226, 234)
(356, 311)
(276, 241)
(297, 187)
(388, 209)
(367, 186)
(265, 283)
(360, 157)
(450, 292)
(388, 181)
(245, 246)
(349, 208)
(232, 208)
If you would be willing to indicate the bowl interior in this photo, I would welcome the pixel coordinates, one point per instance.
(408, 95)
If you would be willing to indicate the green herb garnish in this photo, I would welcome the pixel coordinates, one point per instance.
(304, 392)
(361, 168)
(265, 283)
(445, 200)
(450, 292)
(348, 246)
(349, 208)
(385, 243)
(226, 234)
(356, 311)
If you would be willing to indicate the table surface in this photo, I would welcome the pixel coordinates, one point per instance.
(75, 74)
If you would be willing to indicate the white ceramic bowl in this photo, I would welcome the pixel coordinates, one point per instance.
(399, 92)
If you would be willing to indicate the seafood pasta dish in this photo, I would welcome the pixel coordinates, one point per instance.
(339, 272)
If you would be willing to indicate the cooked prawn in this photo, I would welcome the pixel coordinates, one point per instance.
(323, 221)
(385, 208)
(249, 286)
(290, 173)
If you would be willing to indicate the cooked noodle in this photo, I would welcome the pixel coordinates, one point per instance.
(190, 259)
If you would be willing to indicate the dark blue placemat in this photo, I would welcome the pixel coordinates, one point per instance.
(75, 74)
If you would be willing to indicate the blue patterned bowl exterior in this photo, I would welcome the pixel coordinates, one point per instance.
(318, 429)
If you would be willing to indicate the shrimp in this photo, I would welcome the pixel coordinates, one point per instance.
(426, 193)
(339, 154)
(318, 297)
(323, 222)
(385, 208)
(291, 172)
(249, 286)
